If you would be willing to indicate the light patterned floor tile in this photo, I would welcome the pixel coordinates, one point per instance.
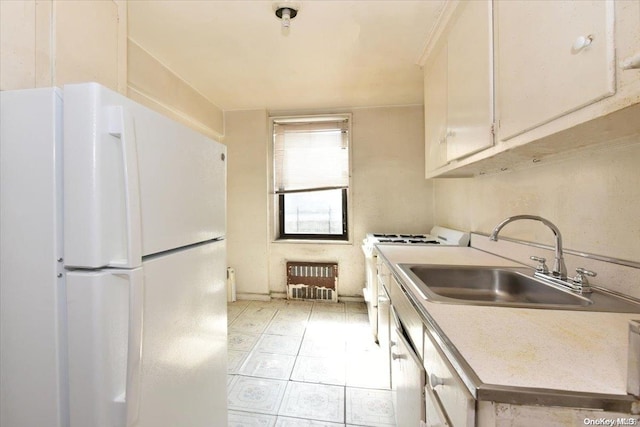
(329, 306)
(300, 305)
(279, 344)
(248, 419)
(356, 307)
(361, 365)
(325, 345)
(235, 359)
(233, 311)
(268, 365)
(335, 331)
(327, 316)
(256, 395)
(231, 379)
(249, 324)
(241, 341)
(315, 401)
(320, 370)
(359, 338)
(260, 312)
(301, 422)
(357, 319)
(369, 407)
(293, 314)
(287, 327)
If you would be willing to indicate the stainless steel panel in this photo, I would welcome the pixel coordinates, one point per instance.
(633, 370)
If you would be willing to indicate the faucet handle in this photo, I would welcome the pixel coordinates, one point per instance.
(541, 267)
(581, 273)
(582, 281)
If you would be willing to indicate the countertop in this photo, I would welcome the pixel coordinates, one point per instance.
(516, 347)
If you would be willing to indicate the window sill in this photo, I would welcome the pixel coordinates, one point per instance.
(313, 241)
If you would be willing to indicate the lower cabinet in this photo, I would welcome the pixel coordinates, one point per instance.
(448, 401)
(384, 304)
(408, 381)
(428, 391)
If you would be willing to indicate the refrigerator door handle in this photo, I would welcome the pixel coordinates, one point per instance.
(120, 124)
(127, 405)
(105, 335)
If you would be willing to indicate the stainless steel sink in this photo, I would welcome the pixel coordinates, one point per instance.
(511, 287)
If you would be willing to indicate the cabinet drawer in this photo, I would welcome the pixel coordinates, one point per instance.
(445, 388)
(411, 321)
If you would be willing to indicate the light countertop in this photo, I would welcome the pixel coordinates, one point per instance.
(551, 349)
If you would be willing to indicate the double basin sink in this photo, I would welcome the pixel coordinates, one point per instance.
(508, 287)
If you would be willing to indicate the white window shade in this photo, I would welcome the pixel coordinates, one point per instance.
(311, 156)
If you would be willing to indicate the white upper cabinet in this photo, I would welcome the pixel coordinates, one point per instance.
(470, 80)
(435, 111)
(458, 87)
(567, 77)
(552, 58)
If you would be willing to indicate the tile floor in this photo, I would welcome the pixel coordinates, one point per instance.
(300, 363)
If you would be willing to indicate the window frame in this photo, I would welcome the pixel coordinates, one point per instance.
(277, 199)
(282, 235)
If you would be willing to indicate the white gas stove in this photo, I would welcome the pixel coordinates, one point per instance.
(438, 236)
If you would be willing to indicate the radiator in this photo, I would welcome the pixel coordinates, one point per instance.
(312, 280)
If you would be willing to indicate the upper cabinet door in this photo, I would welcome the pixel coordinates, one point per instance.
(435, 111)
(470, 80)
(553, 57)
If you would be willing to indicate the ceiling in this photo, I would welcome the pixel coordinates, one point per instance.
(337, 53)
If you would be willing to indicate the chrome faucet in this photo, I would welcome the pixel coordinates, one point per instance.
(559, 267)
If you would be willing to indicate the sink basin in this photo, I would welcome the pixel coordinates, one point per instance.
(501, 286)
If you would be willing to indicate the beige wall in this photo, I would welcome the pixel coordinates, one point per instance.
(388, 193)
(593, 196)
(50, 43)
(151, 83)
(247, 246)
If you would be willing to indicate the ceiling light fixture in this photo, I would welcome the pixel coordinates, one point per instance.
(286, 12)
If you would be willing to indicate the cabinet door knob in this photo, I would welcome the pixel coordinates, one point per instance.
(582, 42)
(395, 356)
(435, 381)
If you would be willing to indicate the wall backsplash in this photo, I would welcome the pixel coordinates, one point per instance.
(593, 197)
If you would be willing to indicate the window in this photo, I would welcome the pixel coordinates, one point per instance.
(311, 177)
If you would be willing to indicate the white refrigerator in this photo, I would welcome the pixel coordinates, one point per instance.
(112, 264)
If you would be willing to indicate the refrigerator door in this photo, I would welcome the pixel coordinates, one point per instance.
(32, 297)
(136, 183)
(147, 347)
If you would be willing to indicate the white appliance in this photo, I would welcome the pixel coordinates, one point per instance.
(112, 266)
(437, 236)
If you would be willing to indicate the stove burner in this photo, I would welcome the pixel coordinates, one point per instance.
(424, 241)
(413, 236)
(392, 241)
(385, 235)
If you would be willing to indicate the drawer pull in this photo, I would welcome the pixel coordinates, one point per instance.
(435, 381)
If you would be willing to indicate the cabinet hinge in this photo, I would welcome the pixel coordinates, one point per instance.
(492, 130)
